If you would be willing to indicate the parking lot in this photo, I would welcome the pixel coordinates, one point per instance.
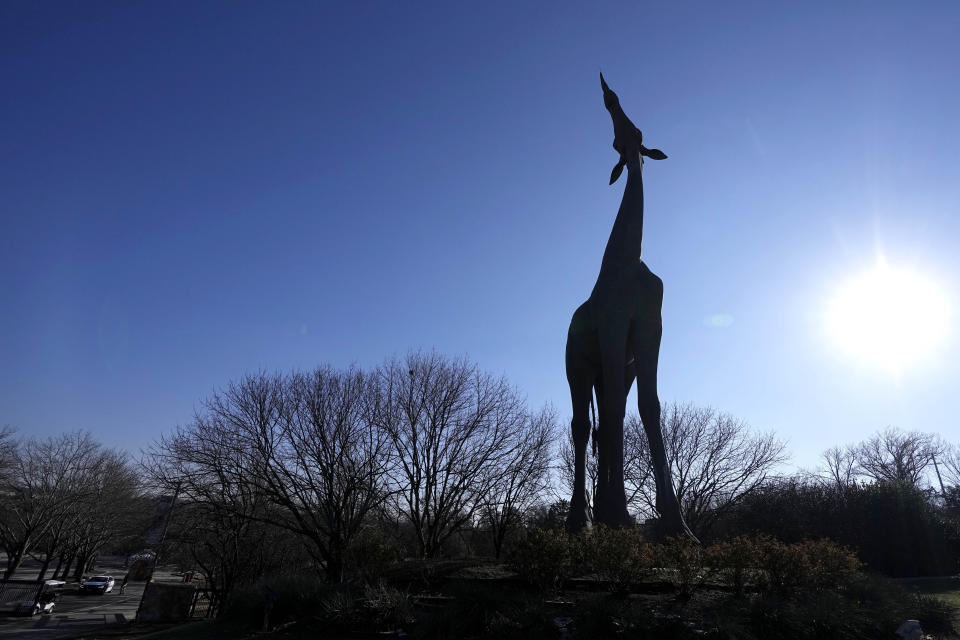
(75, 613)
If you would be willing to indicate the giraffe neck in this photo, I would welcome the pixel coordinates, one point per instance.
(623, 246)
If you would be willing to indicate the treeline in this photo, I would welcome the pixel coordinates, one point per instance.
(420, 447)
(63, 500)
(346, 472)
(876, 497)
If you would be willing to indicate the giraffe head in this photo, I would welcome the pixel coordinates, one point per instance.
(627, 138)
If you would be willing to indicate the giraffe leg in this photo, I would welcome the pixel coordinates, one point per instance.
(580, 379)
(610, 507)
(645, 342)
(600, 491)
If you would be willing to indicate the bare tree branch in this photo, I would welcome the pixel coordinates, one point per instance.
(449, 425)
(521, 481)
(895, 455)
(715, 461)
(305, 443)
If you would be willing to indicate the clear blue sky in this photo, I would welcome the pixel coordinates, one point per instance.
(191, 191)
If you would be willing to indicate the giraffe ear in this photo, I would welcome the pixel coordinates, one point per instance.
(655, 154)
(617, 170)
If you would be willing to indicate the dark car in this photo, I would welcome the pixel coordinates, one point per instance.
(97, 584)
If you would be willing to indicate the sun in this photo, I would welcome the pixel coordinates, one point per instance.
(888, 317)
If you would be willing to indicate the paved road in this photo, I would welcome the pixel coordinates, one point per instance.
(75, 613)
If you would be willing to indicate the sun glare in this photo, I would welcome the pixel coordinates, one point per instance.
(888, 317)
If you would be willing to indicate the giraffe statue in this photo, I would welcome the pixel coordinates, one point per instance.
(614, 338)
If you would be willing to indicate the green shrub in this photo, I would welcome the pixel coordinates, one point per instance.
(811, 565)
(619, 556)
(871, 607)
(892, 526)
(290, 597)
(487, 611)
(546, 559)
(370, 553)
(338, 609)
(386, 607)
(782, 566)
(685, 561)
(827, 564)
(736, 560)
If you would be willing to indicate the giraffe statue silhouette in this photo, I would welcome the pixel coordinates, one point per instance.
(614, 338)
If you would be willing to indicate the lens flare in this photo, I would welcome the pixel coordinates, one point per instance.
(888, 317)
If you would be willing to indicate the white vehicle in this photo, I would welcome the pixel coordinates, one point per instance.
(45, 600)
(97, 584)
(44, 603)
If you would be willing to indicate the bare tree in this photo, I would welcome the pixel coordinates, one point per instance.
(841, 467)
(8, 449)
(305, 443)
(449, 425)
(46, 479)
(336, 460)
(109, 502)
(951, 463)
(520, 483)
(895, 455)
(103, 501)
(715, 461)
(231, 548)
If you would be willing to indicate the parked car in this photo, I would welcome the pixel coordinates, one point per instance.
(97, 584)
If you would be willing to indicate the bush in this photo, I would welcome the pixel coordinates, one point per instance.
(736, 560)
(289, 597)
(370, 553)
(828, 565)
(619, 556)
(338, 609)
(871, 607)
(782, 567)
(482, 611)
(304, 598)
(892, 526)
(546, 559)
(386, 607)
(811, 565)
(686, 560)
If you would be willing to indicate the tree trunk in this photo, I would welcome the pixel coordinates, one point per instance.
(44, 567)
(65, 572)
(56, 570)
(81, 567)
(497, 541)
(334, 568)
(14, 558)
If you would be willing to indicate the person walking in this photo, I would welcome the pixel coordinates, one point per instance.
(123, 584)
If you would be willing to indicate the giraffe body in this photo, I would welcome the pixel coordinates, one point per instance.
(614, 339)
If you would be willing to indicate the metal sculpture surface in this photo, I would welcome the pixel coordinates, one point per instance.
(614, 338)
